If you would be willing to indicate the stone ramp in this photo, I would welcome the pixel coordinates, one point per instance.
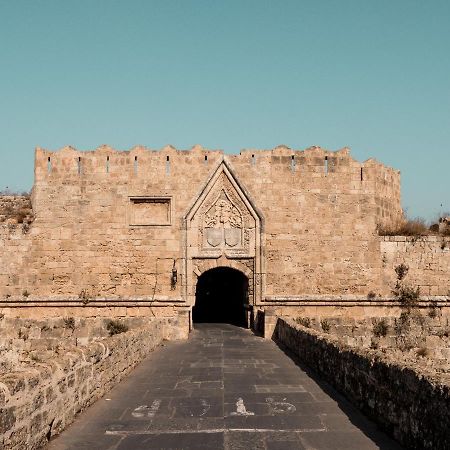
(224, 388)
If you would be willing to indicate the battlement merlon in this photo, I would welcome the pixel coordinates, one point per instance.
(67, 161)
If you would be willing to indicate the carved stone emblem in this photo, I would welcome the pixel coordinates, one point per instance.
(232, 236)
(214, 236)
(223, 223)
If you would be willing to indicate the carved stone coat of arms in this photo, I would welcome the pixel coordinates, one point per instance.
(223, 223)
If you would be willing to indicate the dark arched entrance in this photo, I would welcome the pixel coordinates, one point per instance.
(221, 296)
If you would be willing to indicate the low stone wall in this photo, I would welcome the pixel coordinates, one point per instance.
(40, 402)
(409, 403)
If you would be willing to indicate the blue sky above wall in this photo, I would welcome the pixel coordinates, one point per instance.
(373, 76)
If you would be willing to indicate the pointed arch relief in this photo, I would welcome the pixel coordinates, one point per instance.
(223, 228)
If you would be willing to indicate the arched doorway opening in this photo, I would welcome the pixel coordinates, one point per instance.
(221, 297)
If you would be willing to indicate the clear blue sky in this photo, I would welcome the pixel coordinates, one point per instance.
(371, 75)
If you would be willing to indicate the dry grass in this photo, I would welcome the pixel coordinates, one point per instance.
(116, 327)
(414, 227)
(9, 193)
(422, 351)
(304, 321)
(380, 328)
(16, 209)
(325, 325)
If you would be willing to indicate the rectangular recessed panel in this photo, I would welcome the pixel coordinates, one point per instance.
(150, 211)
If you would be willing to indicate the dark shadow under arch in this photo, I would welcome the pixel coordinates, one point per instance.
(221, 297)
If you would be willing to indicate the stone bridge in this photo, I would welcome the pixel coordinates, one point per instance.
(224, 388)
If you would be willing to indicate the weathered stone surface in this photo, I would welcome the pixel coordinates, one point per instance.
(14, 382)
(411, 404)
(428, 261)
(7, 419)
(39, 403)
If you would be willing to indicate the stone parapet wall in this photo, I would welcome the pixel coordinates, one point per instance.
(41, 401)
(408, 402)
(24, 341)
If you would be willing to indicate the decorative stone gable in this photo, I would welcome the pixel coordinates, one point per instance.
(224, 221)
(222, 229)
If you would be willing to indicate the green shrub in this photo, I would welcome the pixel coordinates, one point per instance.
(305, 321)
(116, 327)
(401, 270)
(407, 295)
(84, 297)
(69, 322)
(325, 325)
(380, 328)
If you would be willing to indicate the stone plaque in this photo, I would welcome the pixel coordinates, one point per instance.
(149, 211)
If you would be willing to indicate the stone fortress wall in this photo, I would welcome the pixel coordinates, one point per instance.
(110, 227)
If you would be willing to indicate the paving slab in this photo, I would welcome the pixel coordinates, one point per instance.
(224, 388)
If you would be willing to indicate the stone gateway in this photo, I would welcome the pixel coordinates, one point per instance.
(206, 236)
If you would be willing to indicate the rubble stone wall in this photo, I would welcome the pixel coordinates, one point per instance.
(408, 402)
(41, 401)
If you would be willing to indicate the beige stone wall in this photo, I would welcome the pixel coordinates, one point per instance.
(111, 226)
(387, 193)
(15, 274)
(320, 227)
(83, 233)
(427, 259)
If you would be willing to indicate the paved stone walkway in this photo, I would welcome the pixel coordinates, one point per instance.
(224, 388)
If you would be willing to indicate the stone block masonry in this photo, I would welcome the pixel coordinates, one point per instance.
(38, 403)
(113, 224)
(427, 259)
(110, 228)
(409, 403)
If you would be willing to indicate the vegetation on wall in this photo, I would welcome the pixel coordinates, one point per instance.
(304, 321)
(416, 227)
(380, 328)
(407, 295)
(16, 209)
(116, 327)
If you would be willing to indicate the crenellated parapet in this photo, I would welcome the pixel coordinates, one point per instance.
(313, 169)
(68, 161)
